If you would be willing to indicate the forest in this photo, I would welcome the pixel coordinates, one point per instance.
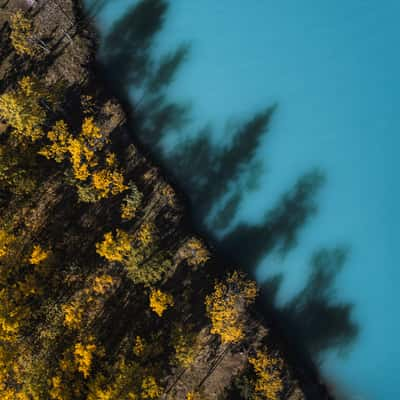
(106, 290)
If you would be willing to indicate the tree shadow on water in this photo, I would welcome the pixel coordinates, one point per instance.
(323, 322)
(216, 177)
(320, 321)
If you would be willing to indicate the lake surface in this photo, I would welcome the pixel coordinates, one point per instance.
(309, 205)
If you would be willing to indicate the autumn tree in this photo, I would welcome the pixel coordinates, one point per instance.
(150, 388)
(109, 180)
(145, 263)
(38, 255)
(83, 356)
(115, 247)
(24, 110)
(268, 382)
(22, 34)
(59, 138)
(73, 314)
(185, 346)
(126, 380)
(95, 171)
(6, 239)
(160, 301)
(227, 304)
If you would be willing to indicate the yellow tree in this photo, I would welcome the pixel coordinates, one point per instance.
(185, 345)
(23, 108)
(268, 370)
(160, 301)
(83, 356)
(146, 234)
(115, 247)
(96, 171)
(38, 255)
(107, 181)
(73, 314)
(6, 239)
(227, 304)
(22, 34)
(150, 388)
(83, 149)
(59, 137)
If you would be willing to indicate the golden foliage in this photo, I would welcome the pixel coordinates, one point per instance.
(13, 314)
(192, 396)
(124, 383)
(83, 356)
(114, 247)
(146, 233)
(268, 370)
(81, 157)
(21, 34)
(160, 301)
(38, 255)
(83, 149)
(185, 346)
(100, 390)
(139, 346)
(91, 133)
(22, 109)
(150, 388)
(226, 305)
(6, 239)
(57, 389)
(73, 314)
(102, 284)
(60, 138)
(108, 181)
(84, 154)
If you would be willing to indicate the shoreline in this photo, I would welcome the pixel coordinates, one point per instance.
(306, 370)
(303, 371)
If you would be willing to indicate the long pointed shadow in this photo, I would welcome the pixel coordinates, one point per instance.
(322, 322)
(127, 48)
(280, 227)
(212, 175)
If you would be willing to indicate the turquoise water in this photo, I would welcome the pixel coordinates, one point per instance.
(332, 70)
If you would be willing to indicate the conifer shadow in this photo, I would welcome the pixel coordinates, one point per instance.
(215, 177)
(281, 226)
(319, 319)
(323, 322)
(127, 48)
